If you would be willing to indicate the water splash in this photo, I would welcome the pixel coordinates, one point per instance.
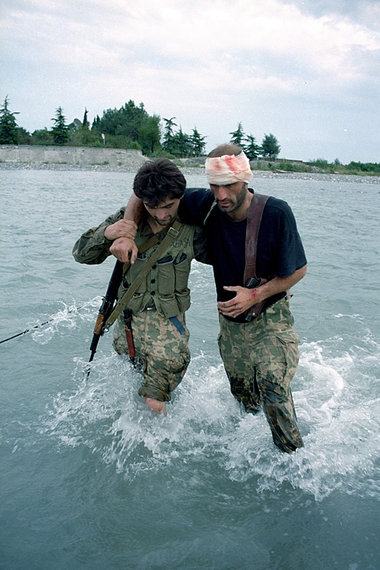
(340, 422)
(66, 318)
(336, 416)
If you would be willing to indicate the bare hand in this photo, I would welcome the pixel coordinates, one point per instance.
(122, 228)
(124, 249)
(243, 300)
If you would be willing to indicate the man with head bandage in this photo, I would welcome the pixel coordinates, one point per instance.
(260, 354)
(227, 169)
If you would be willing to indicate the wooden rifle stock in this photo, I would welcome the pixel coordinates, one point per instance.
(106, 307)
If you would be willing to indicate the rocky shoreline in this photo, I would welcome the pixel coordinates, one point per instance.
(68, 158)
(190, 170)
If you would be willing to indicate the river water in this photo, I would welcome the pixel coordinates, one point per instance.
(90, 478)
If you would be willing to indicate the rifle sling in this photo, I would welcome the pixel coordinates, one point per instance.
(171, 234)
(143, 247)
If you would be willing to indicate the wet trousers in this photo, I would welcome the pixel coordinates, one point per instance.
(161, 349)
(260, 358)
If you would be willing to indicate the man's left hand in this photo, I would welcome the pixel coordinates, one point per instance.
(243, 300)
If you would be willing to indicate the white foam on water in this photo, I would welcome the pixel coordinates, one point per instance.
(66, 318)
(335, 402)
(339, 421)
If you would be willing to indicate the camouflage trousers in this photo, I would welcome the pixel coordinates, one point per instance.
(161, 349)
(260, 358)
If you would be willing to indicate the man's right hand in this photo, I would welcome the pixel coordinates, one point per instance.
(122, 233)
(124, 249)
(122, 228)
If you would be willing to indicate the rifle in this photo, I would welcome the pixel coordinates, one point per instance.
(106, 308)
(109, 310)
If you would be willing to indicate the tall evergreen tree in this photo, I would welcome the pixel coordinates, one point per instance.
(197, 143)
(8, 125)
(251, 148)
(270, 146)
(60, 130)
(168, 142)
(85, 122)
(181, 144)
(237, 136)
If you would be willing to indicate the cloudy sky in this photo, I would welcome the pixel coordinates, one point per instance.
(306, 71)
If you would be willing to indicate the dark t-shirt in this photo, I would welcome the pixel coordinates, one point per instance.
(279, 249)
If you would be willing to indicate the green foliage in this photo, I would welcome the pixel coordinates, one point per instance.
(319, 163)
(60, 130)
(288, 166)
(131, 127)
(367, 168)
(169, 143)
(251, 149)
(42, 137)
(237, 136)
(270, 146)
(81, 135)
(148, 135)
(198, 144)
(125, 121)
(8, 125)
(180, 144)
(85, 123)
(120, 141)
(322, 165)
(23, 137)
(128, 127)
(84, 137)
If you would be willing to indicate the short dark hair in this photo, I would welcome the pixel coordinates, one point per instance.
(158, 180)
(223, 149)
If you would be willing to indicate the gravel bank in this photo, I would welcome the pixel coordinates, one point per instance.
(193, 171)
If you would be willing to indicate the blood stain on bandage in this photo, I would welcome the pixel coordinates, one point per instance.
(231, 162)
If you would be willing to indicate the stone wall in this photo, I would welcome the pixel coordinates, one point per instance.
(70, 155)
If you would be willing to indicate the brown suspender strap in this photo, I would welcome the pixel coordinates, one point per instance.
(171, 234)
(255, 214)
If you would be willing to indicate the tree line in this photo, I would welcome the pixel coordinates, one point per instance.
(130, 127)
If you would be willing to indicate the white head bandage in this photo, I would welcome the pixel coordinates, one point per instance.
(227, 169)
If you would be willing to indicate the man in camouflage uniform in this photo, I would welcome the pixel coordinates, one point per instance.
(159, 304)
(260, 356)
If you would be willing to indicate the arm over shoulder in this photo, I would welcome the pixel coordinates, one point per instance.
(200, 246)
(92, 247)
(195, 205)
